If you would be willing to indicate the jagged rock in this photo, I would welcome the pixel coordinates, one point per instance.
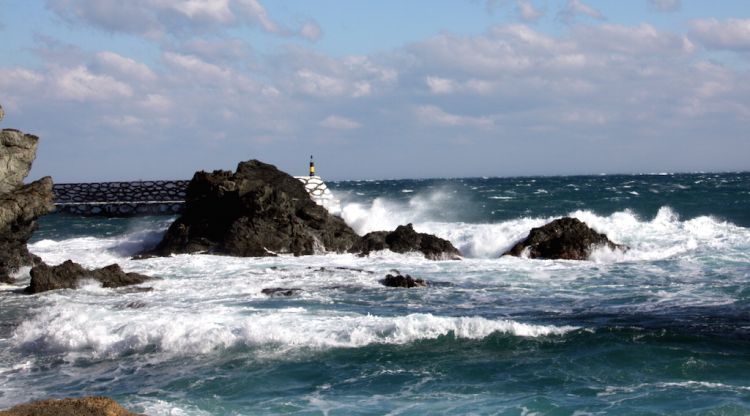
(256, 211)
(20, 204)
(403, 240)
(402, 281)
(2, 113)
(85, 406)
(68, 274)
(280, 291)
(564, 238)
(17, 152)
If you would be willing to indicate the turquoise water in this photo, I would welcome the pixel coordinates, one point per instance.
(661, 329)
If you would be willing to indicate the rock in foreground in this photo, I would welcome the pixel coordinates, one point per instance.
(20, 204)
(86, 406)
(564, 238)
(402, 281)
(68, 275)
(256, 211)
(403, 240)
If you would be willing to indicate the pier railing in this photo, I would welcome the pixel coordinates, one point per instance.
(121, 199)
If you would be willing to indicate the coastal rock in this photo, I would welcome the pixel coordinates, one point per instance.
(280, 291)
(564, 238)
(17, 152)
(85, 406)
(403, 240)
(68, 274)
(256, 211)
(20, 204)
(402, 281)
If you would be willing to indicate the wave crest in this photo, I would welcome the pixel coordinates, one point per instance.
(76, 328)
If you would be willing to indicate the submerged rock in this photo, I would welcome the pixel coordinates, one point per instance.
(69, 274)
(564, 238)
(85, 406)
(280, 291)
(256, 211)
(20, 205)
(403, 240)
(402, 281)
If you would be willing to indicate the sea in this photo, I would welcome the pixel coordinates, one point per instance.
(660, 329)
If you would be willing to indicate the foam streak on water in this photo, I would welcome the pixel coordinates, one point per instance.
(662, 328)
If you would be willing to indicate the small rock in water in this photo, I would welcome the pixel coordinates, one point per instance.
(280, 291)
(564, 238)
(404, 240)
(68, 274)
(402, 281)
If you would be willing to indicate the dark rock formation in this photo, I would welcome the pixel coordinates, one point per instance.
(20, 204)
(256, 211)
(85, 406)
(403, 240)
(68, 274)
(564, 238)
(402, 281)
(280, 291)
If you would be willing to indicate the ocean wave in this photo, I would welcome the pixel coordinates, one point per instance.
(663, 236)
(86, 328)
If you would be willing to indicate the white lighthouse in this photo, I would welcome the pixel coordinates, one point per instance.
(318, 190)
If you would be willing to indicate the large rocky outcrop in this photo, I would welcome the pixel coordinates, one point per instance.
(564, 238)
(403, 240)
(69, 274)
(84, 406)
(256, 211)
(20, 204)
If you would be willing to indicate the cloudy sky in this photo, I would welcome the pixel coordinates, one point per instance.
(146, 89)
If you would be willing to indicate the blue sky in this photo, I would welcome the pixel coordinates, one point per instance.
(150, 89)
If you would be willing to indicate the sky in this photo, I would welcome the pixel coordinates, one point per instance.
(158, 89)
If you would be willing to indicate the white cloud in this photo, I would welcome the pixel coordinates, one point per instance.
(310, 30)
(125, 66)
(156, 102)
(321, 76)
(80, 84)
(255, 11)
(339, 123)
(230, 50)
(320, 85)
(19, 77)
(430, 114)
(527, 11)
(157, 18)
(575, 8)
(210, 10)
(727, 34)
(439, 85)
(665, 5)
(634, 40)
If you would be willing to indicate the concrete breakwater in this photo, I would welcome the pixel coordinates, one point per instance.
(121, 199)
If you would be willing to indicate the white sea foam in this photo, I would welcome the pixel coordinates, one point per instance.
(664, 236)
(101, 331)
(696, 386)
